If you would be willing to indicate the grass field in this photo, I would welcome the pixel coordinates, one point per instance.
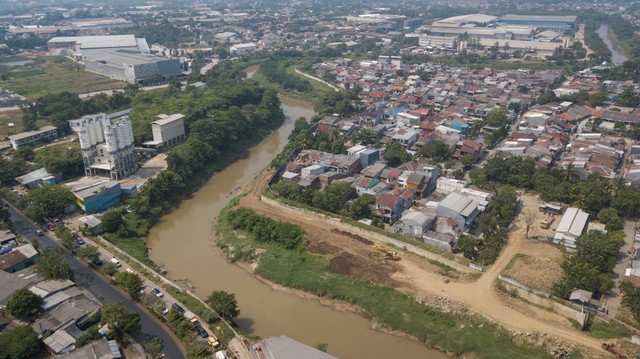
(316, 92)
(55, 74)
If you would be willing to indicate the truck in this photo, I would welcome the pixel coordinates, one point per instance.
(213, 342)
(546, 223)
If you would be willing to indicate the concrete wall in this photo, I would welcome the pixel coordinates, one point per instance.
(541, 298)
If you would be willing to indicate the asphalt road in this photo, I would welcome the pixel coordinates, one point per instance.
(100, 288)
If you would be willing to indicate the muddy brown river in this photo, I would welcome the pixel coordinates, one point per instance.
(182, 243)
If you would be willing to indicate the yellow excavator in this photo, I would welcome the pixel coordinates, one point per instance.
(389, 254)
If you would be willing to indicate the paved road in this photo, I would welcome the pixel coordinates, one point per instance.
(98, 286)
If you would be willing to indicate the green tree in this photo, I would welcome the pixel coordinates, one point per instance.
(130, 282)
(467, 246)
(598, 98)
(24, 303)
(49, 201)
(334, 197)
(52, 264)
(119, 319)
(547, 97)
(436, 150)
(396, 154)
(610, 218)
(359, 208)
(198, 351)
(65, 237)
(468, 160)
(628, 97)
(224, 304)
(112, 220)
(631, 299)
(19, 342)
(89, 253)
(153, 347)
(109, 269)
(496, 118)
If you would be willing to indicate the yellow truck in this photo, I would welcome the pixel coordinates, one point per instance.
(546, 223)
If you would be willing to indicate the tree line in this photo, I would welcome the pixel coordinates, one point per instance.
(592, 194)
(266, 230)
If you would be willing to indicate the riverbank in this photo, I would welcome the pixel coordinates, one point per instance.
(318, 89)
(619, 49)
(456, 332)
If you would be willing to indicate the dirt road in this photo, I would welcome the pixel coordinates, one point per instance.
(414, 275)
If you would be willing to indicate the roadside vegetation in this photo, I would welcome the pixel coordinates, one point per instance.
(296, 268)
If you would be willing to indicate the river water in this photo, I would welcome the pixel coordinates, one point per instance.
(182, 243)
(617, 56)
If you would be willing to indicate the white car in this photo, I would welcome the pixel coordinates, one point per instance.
(157, 292)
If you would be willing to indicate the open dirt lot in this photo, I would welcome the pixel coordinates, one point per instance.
(539, 269)
(352, 255)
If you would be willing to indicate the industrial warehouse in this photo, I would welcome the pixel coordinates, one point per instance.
(122, 57)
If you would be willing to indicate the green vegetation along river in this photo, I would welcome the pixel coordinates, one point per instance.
(182, 244)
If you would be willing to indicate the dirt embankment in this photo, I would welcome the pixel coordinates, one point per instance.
(352, 255)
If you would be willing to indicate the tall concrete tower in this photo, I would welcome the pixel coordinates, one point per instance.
(107, 144)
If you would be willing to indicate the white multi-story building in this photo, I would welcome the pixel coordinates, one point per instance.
(107, 144)
(168, 131)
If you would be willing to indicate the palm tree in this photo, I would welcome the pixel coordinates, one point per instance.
(569, 172)
(614, 184)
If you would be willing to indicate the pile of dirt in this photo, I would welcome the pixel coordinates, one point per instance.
(356, 267)
(322, 248)
(358, 238)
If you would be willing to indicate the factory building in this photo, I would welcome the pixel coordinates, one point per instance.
(122, 57)
(556, 23)
(131, 66)
(107, 144)
(31, 138)
(168, 131)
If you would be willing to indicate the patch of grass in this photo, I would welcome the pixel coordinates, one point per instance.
(608, 330)
(575, 354)
(134, 246)
(221, 329)
(513, 261)
(56, 74)
(457, 333)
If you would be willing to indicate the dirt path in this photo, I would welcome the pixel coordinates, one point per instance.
(413, 274)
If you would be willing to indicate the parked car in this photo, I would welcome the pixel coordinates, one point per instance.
(177, 307)
(157, 292)
(203, 333)
(80, 240)
(98, 262)
(51, 227)
(165, 311)
(39, 233)
(56, 220)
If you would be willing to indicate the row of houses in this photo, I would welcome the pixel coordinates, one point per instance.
(64, 310)
(413, 197)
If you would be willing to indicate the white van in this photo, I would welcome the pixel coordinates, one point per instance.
(220, 355)
(115, 262)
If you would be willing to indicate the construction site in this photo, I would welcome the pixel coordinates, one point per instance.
(447, 283)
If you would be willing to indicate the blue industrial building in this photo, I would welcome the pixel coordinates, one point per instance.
(99, 197)
(558, 23)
